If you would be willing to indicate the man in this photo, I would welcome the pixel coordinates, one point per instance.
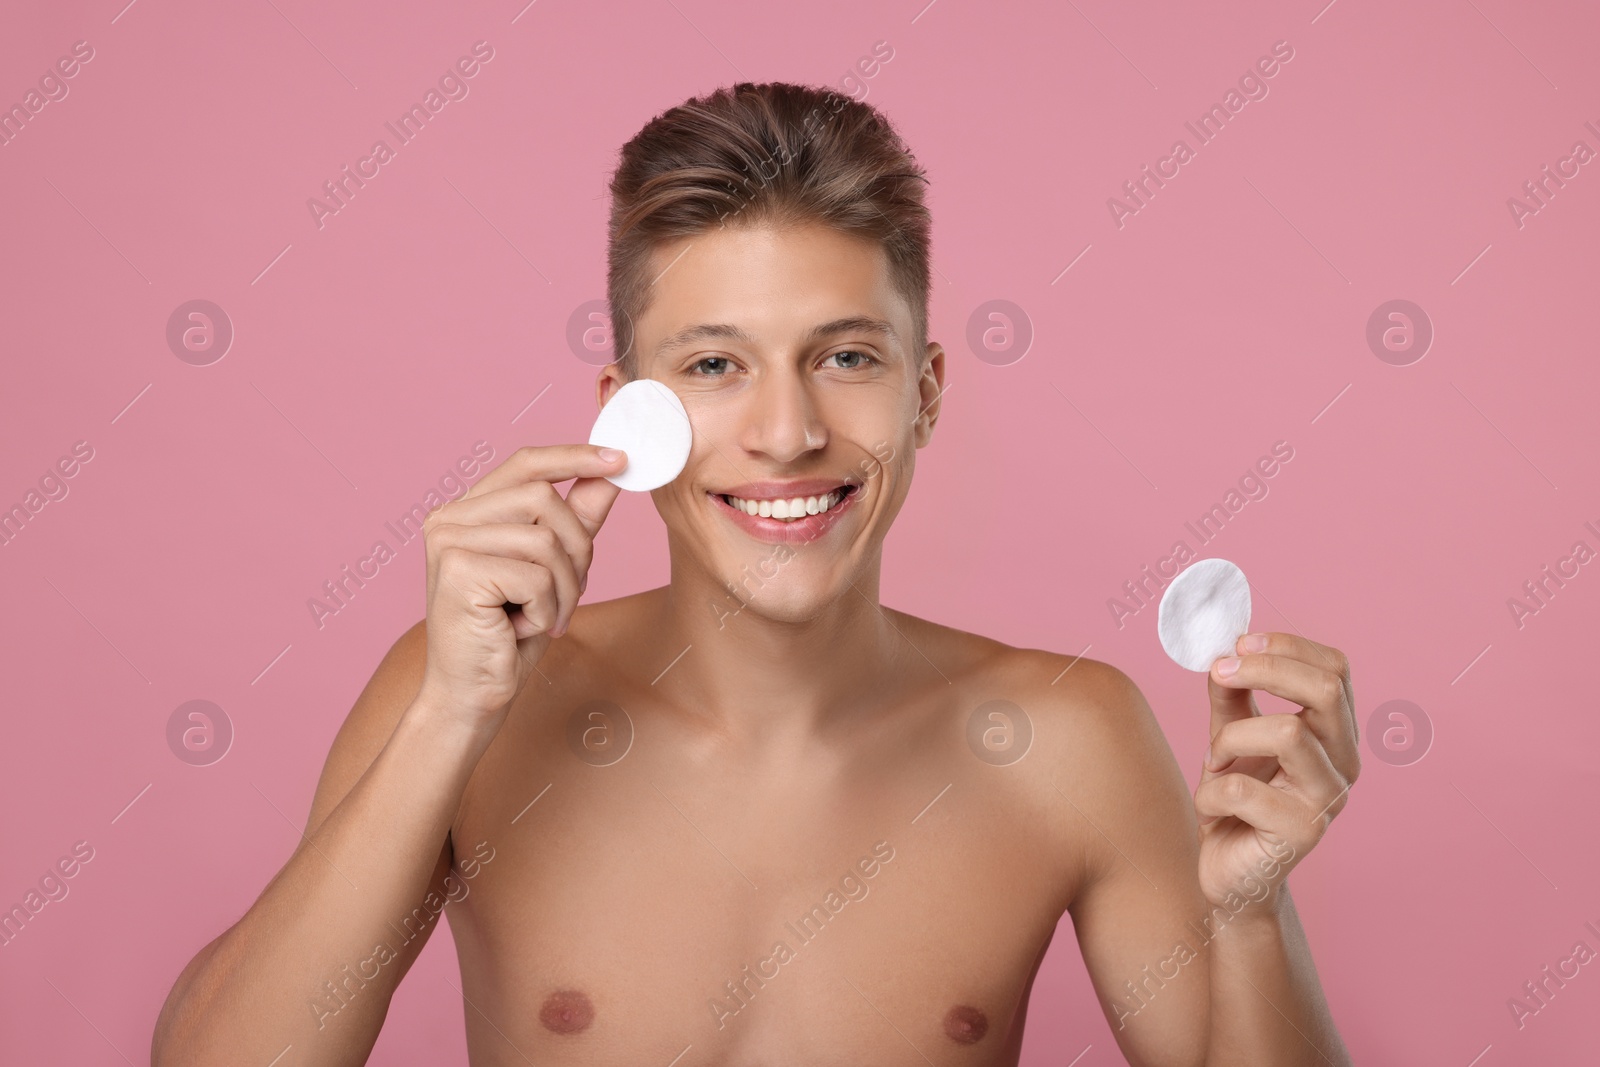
(755, 816)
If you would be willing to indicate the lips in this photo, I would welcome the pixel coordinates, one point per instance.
(786, 511)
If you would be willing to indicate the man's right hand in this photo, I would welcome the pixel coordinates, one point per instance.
(511, 540)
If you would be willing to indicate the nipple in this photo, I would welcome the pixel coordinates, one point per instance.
(566, 1011)
(965, 1025)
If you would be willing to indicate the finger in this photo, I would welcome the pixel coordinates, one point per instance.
(1323, 693)
(523, 632)
(1296, 647)
(1307, 771)
(530, 503)
(489, 582)
(590, 500)
(1269, 810)
(530, 543)
(1229, 704)
(549, 463)
(1339, 733)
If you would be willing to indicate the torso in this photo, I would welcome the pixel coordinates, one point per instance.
(670, 904)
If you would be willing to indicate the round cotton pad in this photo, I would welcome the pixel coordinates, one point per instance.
(647, 421)
(1203, 613)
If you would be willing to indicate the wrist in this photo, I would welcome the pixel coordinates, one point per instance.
(444, 726)
(1261, 918)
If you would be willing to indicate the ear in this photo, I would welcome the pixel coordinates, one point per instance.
(607, 383)
(930, 388)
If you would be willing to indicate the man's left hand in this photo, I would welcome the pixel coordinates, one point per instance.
(1273, 783)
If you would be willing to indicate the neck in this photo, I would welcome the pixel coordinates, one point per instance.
(754, 676)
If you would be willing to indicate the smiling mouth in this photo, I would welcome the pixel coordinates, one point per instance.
(790, 509)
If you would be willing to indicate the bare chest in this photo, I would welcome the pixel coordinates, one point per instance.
(663, 910)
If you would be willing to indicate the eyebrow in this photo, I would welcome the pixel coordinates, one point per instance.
(720, 331)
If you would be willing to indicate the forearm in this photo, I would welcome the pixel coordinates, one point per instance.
(351, 886)
(1267, 1005)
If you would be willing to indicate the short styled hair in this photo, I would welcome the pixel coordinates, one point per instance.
(772, 153)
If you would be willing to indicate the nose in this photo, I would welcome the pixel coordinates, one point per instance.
(782, 420)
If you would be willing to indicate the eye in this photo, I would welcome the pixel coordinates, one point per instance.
(851, 358)
(713, 366)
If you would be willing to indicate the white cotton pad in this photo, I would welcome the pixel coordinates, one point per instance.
(647, 421)
(1203, 613)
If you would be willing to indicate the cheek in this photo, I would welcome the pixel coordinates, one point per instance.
(887, 474)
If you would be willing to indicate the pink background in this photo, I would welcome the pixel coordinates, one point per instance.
(1228, 314)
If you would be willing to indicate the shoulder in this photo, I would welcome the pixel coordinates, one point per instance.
(1074, 742)
(1092, 720)
(1101, 764)
(1057, 686)
(1089, 722)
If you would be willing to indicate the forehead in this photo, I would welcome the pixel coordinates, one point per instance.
(774, 284)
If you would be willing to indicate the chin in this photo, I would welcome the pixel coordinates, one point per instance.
(782, 582)
(790, 598)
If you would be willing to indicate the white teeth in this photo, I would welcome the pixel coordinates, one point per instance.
(789, 509)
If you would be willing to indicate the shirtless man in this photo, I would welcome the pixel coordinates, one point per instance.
(754, 817)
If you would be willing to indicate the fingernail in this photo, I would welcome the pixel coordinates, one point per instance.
(610, 455)
(1255, 642)
(1205, 819)
(1209, 767)
(583, 583)
(1227, 668)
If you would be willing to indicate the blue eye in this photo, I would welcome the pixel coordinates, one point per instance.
(716, 372)
(861, 358)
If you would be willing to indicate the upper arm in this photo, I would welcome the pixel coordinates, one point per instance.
(366, 730)
(371, 721)
(1140, 914)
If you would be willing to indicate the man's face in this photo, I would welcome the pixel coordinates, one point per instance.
(794, 394)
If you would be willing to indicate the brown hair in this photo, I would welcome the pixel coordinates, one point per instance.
(772, 153)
